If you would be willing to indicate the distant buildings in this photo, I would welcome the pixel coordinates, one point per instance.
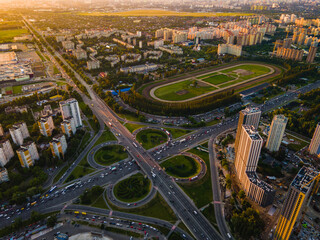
(46, 126)
(171, 49)
(58, 146)
(248, 116)
(4, 177)
(314, 147)
(140, 68)
(6, 152)
(130, 57)
(93, 64)
(68, 45)
(155, 55)
(127, 45)
(230, 49)
(289, 53)
(19, 132)
(79, 53)
(246, 162)
(70, 108)
(27, 154)
(312, 54)
(13, 70)
(68, 126)
(297, 195)
(276, 132)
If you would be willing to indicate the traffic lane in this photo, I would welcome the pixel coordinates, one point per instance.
(68, 195)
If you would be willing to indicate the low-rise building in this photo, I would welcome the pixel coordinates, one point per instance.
(4, 177)
(28, 154)
(140, 68)
(67, 45)
(93, 64)
(171, 49)
(79, 53)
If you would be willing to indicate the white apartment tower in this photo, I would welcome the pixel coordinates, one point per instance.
(277, 129)
(68, 126)
(70, 108)
(6, 152)
(19, 132)
(314, 147)
(46, 126)
(27, 154)
(58, 146)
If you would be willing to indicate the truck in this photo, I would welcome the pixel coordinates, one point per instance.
(110, 124)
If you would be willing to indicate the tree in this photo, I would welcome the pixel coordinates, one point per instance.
(52, 220)
(241, 194)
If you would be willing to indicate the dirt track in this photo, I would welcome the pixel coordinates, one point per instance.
(277, 71)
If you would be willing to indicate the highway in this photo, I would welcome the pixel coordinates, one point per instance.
(182, 205)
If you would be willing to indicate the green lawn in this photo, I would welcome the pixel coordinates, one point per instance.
(176, 132)
(256, 70)
(132, 127)
(157, 208)
(200, 191)
(182, 90)
(218, 79)
(85, 140)
(207, 75)
(55, 70)
(106, 136)
(100, 203)
(8, 35)
(210, 215)
(17, 89)
(79, 172)
(213, 122)
(132, 189)
(110, 154)
(59, 175)
(181, 166)
(150, 138)
(129, 117)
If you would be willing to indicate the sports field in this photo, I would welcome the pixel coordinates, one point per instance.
(8, 35)
(204, 84)
(183, 90)
(161, 13)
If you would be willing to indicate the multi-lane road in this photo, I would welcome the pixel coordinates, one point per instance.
(182, 205)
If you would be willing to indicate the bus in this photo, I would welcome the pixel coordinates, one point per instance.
(70, 186)
(33, 203)
(76, 212)
(134, 144)
(83, 213)
(52, 189)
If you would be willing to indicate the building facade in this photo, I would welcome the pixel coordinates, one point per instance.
(70, 108)
(19, 132)
(246, 162)
(314, 147)
(28, 154)
(230, 49)
(68, 126)
(297, 195)
(278, 126)
(311, 54)
(6, 152)
(4, 177)
(1, 131)
(46, 126)
(248, 116)
(58, 146)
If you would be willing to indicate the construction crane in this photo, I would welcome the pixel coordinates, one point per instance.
(313, 191)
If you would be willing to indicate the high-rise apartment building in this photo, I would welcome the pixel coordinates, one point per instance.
(58, 146)
(314, 147)
(297, 196)
(27, 154)
(248, 116)
(68, 126)
(246, 162)
(46, 126)
(6, 152)
(4, 177)
(276, 132)
(230, 49)
(70, 108)
(19, 132)
(312, 54)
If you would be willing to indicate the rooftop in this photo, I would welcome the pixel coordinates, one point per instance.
(255, 180)
(254, 135)
(249, 110)
(303, 178)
